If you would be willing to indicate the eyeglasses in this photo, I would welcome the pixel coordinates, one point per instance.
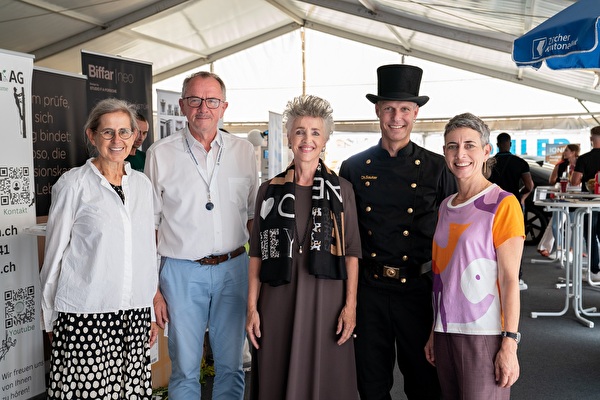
(196, 102)
(108, 134)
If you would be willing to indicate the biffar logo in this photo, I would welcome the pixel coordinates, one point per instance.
(11, 76)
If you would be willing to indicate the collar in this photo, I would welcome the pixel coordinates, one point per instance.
(217, 141)
(406, 151)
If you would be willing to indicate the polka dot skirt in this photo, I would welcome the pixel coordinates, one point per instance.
(101, 356)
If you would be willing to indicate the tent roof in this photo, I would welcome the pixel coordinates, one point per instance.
(177, 36)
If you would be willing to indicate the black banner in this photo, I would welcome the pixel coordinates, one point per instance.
(122, 79)
(58, 114)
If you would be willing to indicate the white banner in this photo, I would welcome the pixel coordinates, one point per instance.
(21, 345)
(278, 157)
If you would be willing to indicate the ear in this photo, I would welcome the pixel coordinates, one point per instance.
(487, 150)
(223, 108)
(90, 134)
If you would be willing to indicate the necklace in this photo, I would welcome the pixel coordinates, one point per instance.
(119, 190)
(301, 244)
(209, 204)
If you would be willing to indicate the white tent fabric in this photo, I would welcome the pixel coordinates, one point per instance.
(255, 45)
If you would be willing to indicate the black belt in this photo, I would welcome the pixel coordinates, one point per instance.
(220, 258)
(401, 273)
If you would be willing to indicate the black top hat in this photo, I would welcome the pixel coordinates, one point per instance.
(399, 82)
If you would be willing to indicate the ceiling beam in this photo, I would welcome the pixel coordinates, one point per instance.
(510, 76)
(53, 8)
(111, 26)
(492, 40)
(226, 52)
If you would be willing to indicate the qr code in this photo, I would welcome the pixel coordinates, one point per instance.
(15, 186)
(19, 306)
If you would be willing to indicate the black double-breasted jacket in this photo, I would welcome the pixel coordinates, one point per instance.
(397, 200)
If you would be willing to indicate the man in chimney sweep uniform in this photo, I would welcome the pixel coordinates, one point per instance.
(398, 187)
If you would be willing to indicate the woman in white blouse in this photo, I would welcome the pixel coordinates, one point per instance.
(100, 271)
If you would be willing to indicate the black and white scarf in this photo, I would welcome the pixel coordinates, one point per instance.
(277, 218)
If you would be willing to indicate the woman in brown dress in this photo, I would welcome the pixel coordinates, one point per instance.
(304, 251)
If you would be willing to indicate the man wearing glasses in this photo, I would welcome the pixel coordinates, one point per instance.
(205, 184)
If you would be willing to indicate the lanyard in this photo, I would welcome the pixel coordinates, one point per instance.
(209, 204)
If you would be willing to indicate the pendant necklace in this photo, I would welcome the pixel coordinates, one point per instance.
(209, 204)
(308, 224)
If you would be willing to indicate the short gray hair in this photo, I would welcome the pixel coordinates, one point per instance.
(309, 106)
(203, 75)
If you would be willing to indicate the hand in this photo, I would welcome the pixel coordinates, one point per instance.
(429, 353)
(506, 364)
(160, 309)
(50, 336)
(153, 333)
(253, 327)
(346, 324)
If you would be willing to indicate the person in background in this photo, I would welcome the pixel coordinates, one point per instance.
(304, 255)
(586, 167)
(565, 167)
(477, 251)
(100, 272)
(398, 187)
(205, 184)
(508, 173)
(137, 158)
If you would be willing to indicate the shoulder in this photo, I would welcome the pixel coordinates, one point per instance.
(428, 155)
(359, 158)
(230, 140)
(166, 142)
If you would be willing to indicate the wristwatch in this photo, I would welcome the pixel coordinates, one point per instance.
(512, 335)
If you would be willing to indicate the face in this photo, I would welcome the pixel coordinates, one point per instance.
(115, 149)
(141, 134)
(203, 120)
(396, 119)
(307, 138)
(465, 154)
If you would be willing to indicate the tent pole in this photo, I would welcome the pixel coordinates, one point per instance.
(303, 39)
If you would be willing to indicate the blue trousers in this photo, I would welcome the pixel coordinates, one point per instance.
(201, 296)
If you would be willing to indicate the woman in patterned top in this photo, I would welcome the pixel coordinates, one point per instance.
(477, 250)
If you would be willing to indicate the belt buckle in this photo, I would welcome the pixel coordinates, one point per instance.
(393, 273)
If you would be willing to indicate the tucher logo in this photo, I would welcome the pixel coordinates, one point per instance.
(12, 76)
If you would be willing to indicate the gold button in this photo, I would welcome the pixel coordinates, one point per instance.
(368, 209)
(417, 162)
(370, 232)
(373, 255)
(390, 272)
(405, 233)
(404, 258)
(403, 280)
(367, 183)
(375, 276)
(410, 211)
(368, 161)
(413, 185)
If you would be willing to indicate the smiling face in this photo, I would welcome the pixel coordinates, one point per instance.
(115, 149)
(307, 139)
(396, 119)
(465, 154)
(203, 121)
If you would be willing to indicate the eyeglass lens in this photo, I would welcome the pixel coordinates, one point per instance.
(196, 102)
